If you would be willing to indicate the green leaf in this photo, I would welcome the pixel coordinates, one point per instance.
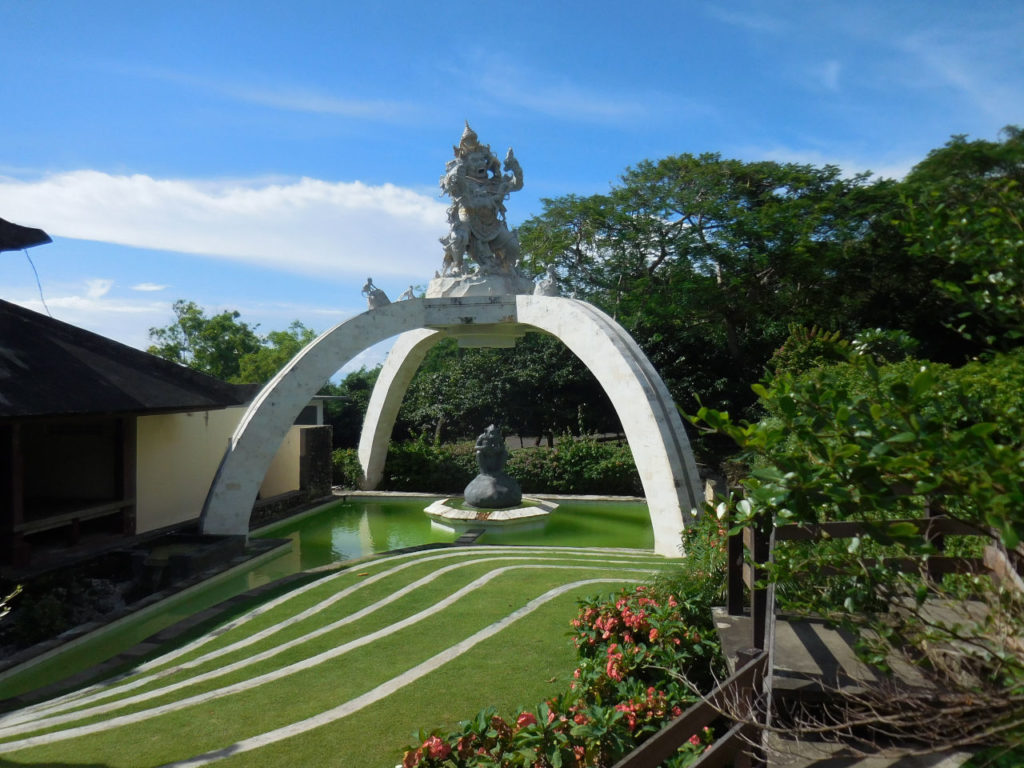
(922, 382)
(902, 530)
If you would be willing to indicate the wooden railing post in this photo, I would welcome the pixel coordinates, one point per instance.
(734, 572)
(759, 553)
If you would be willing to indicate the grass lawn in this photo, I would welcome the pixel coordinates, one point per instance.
(341, 671)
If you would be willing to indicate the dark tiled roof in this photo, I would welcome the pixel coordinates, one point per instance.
(14, 237)
(50, 368)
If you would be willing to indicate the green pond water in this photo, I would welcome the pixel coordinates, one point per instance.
(337, 532)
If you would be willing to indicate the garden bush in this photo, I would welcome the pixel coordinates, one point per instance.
(875, 443)
(576, 465)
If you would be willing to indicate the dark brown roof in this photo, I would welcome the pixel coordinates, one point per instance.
(50, 368)
(14, 237)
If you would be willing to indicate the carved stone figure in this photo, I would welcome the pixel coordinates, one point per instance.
(407, 294)
(548, 285)
(492, 488)
(375, 297)
(476, 218)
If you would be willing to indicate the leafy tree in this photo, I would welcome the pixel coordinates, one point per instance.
(213, 345)
(276, 350)
(965, 210)
(536, 388)
(225, 347)
(347, 407)
(708, 261)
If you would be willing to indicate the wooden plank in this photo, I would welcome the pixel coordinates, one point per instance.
(760, 553)
(937, 565)
(665, 742)
(70, 518)
(845, 530)
(735, 573)
(724, 749)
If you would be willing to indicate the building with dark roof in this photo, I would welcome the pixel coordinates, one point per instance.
(99, 439)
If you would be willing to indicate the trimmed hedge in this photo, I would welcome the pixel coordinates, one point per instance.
(576, 465)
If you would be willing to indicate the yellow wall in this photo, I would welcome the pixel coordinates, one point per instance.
(283, 473)
(178, 455)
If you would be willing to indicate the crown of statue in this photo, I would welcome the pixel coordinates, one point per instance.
(469, 143)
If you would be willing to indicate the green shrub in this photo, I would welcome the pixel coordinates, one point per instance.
(576, 465)
(423, 466)
(873, 444)
(346, 469)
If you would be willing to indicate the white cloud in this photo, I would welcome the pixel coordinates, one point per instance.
(289, 97)
(556, 96)
(753, 21)
(306, 226)
(888, 168)
(307, 100)
(98, 287)
(980, 64)
(126, 321)
(149, 287)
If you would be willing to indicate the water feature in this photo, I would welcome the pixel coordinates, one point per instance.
(337, 532)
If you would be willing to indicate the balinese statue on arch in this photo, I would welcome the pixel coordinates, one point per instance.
(476, 218)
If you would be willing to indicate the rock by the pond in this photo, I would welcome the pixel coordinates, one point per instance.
(492, 488)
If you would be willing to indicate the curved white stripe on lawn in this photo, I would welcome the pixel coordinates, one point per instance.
(385, 689)
(253, 682)
(93, 692)
(51, 716)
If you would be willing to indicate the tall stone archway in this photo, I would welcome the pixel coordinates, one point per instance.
(650, 420)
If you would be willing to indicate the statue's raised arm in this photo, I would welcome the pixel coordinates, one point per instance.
(512, 166)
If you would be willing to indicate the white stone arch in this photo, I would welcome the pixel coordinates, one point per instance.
(650, 420)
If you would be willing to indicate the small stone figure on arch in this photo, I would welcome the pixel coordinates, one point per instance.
(375, 297)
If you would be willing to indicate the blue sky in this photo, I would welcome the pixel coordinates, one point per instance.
(268, 156)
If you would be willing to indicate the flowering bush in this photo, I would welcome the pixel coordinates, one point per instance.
(643, 653)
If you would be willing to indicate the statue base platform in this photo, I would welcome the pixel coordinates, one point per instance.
(445, 514)
(479, 285)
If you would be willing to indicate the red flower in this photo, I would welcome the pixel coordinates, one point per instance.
(411, 758)
(525, 719)
(436, 748)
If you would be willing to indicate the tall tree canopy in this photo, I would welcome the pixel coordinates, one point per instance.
(223, 346)
(965, 211)
(708, 261)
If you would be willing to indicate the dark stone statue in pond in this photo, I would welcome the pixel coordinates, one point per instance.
(492, 488)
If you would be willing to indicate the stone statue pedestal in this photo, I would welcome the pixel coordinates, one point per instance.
(449, 515)
(496, 491)
(479, 285)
